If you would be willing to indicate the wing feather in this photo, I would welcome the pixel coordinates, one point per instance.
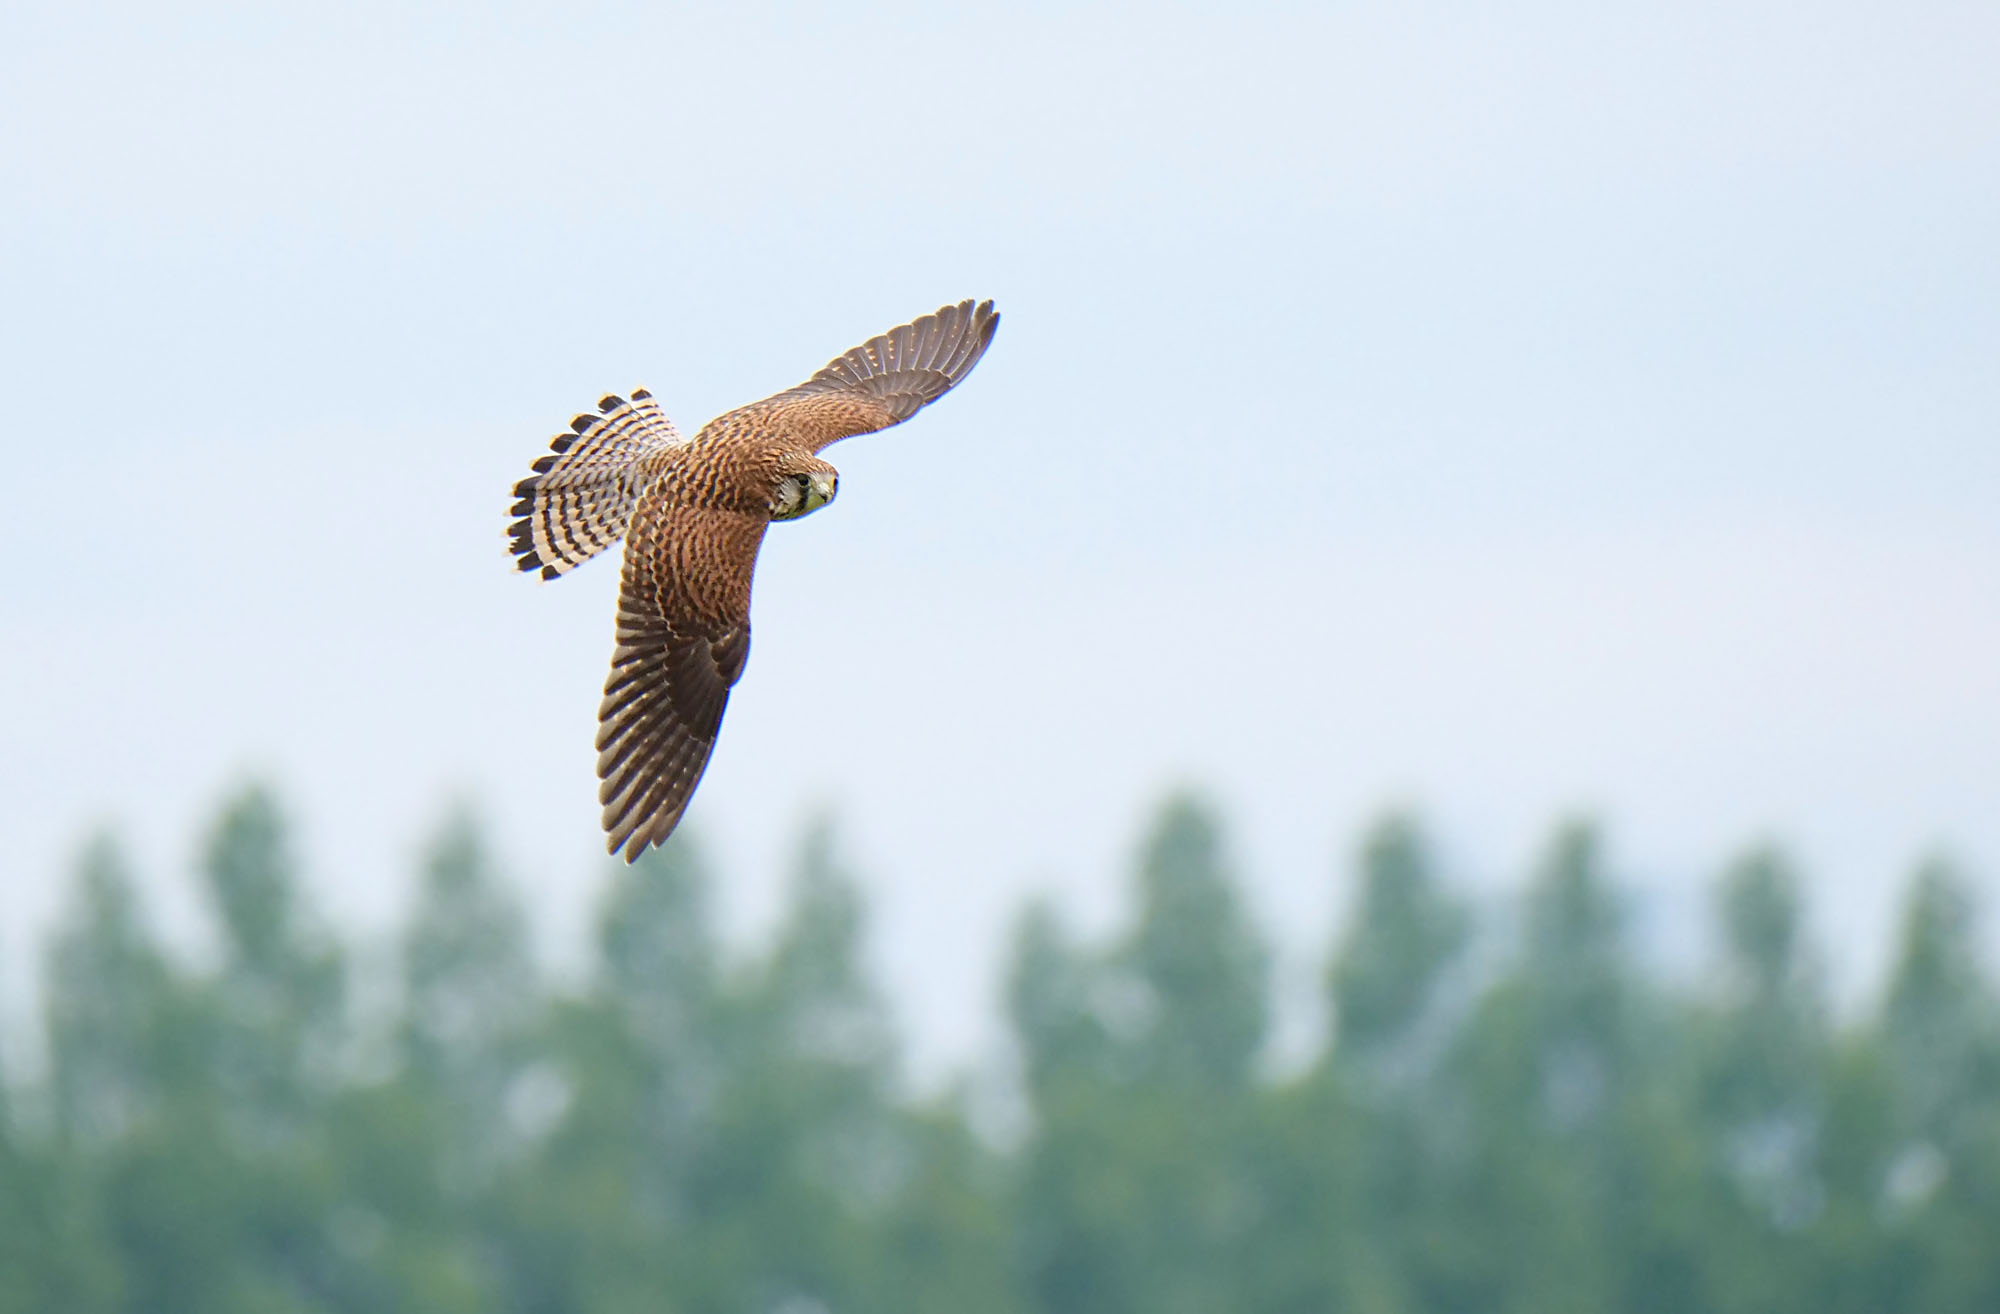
(882, 382)
(683, 641)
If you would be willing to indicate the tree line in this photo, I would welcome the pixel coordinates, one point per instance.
(1507, 1115)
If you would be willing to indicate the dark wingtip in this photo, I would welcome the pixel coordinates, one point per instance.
(582, 422)
(640, 394)
(609, 402)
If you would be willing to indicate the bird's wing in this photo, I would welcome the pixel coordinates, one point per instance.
(683, 638)
(578, 500)
(884, 381)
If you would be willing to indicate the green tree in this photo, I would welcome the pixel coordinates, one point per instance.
(1575, 983)
(132, 1048)
(417, 1156)
(1140, 1192)
(1940, 1033)
(807, 1150)
(470, 1000)
(944, 1241)
(279, 998)
(108, 1007)
(53, 1253)
(1201, 1004)
(1071, 1198)
(1362, 1142)
(1052, 992)
(1761, 1063)
(1937, 1021)
(1765, 1057)
(606, 1212)
(265, 1191)
(1401, 944)
(1581, 1186)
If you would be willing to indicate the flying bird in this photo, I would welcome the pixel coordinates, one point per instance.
(693, 513)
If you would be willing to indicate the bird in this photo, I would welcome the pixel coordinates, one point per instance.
(692, 513)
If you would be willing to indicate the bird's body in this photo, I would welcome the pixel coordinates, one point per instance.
(693, 513)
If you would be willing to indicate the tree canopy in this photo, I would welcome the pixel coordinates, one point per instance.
(1507, 1111)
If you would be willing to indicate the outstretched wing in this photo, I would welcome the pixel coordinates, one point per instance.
(884, 381)
(683, 639)
(577, 502)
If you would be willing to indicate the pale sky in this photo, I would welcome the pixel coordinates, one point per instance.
(1504, 411)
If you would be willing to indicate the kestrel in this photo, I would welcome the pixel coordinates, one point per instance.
(693, 514)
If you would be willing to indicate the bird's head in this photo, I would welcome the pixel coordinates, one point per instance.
(803, 490)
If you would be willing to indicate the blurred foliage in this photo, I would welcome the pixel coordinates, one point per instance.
(1507, 1115)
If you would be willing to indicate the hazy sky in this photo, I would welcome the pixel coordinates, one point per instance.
(1502, 410)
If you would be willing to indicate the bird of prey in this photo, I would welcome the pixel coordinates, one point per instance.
(692, 513)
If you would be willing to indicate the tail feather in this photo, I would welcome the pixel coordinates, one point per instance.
(577, 501)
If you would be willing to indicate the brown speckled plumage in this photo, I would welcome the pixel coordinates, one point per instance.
(693, 514)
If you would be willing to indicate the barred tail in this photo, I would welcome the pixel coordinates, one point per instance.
(578, 500)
